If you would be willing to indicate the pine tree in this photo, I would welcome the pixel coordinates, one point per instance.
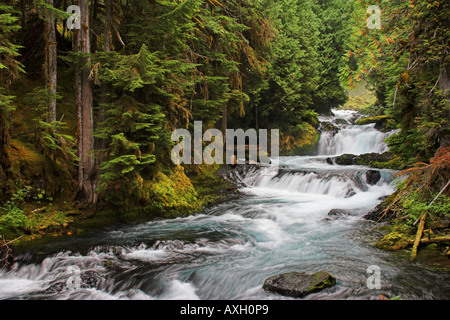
(333, 19)
(9, 72)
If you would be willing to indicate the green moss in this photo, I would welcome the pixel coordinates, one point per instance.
(368, 120)
(396, 239)
(170, 195)
(302, 140)
(327, 126)
(396, 163)
(210, 187)
(321, 280)
(48, 220)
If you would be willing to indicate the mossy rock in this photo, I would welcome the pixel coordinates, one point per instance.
(302, 141)
(383, 123)
(299, 284)
(327, 126)
(393, 241)
(374, 160)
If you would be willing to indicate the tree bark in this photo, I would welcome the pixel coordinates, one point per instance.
(224, 120)
(432, 240)
(50, 64)
(86, 171)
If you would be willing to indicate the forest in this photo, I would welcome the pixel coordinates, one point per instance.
(91, 91)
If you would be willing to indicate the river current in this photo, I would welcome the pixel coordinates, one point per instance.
(281, 223)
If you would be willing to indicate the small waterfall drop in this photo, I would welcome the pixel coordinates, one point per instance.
(350, 139)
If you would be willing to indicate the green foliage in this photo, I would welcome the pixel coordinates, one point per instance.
(414, 206)
(404, 63)
(133, 125)
(45, 10)
(294, 71)
(12, 217)
(9, 66)
(334, 27)
(53, 140)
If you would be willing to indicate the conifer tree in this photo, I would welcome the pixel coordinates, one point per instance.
(334, 26)
(9, 71)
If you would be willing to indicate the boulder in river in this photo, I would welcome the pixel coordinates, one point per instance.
(299, 284)
(375, 160)
(338, 213)
(372, 177)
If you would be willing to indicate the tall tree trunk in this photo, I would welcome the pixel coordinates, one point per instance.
(86, 170)
(224, 119)
(50, 64)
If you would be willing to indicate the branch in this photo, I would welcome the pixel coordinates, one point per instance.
(432, 240)
(435, 85)
(448, 183)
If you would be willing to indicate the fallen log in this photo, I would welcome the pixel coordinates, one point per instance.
(422, 219)
(431, 240)
(418, 236)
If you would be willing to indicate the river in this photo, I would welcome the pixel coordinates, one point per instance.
(279, 224)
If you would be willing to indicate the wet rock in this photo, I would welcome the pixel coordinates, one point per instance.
(345, 159)
(342, 122)
(378, 216)
(340, 213)
(382, 123)
(369, 159)
(372, 177)
(299, 284)
(350, 193)
(335, 214)
(89, 279)
(55, 288)
(328, 127)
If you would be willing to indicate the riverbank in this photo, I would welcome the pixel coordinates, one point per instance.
(400, 233)
(46, 219)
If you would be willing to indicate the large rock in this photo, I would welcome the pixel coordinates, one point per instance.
(369, 159)
(299, 284)
(335, 214)
(372, 177)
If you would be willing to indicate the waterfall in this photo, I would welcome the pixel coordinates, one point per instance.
(351, 139)
(313, 175)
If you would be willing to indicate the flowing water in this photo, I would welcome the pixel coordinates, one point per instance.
(280, 224)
